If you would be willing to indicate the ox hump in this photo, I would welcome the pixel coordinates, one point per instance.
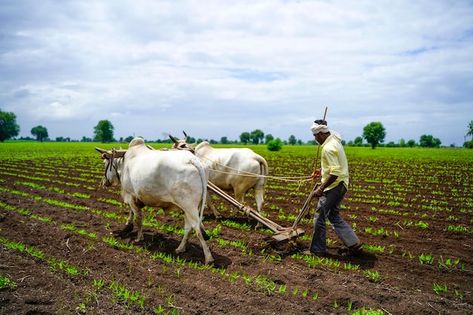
(136, 142)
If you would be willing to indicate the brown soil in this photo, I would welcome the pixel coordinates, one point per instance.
(405, 286)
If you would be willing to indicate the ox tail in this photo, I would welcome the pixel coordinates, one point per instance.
(263, 165)
(204, 179)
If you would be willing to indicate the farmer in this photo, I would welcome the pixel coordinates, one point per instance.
(334, 185)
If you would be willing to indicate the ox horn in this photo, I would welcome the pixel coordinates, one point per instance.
(101, 150)
(185, 134)
(173, 139)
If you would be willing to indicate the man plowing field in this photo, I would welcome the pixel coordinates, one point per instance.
(334, 185)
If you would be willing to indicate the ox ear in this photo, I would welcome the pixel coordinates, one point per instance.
(173, 139)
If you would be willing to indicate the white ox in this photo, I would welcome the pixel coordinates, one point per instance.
(159, 179)
(236, 169)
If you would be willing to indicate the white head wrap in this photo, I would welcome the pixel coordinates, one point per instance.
(316, 128)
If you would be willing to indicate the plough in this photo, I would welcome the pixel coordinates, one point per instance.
(281, 233)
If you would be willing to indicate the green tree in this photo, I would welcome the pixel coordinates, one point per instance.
(40, 132)
(470, 130)
(292, 140)
(268, 138)
(402, 143)
(245, 137)
(223, 140)
(257, 136)
(374, 133)
(274, 145)
(103, 131)
(411, 143)
(8, 126)
(428, 141)
(358, 141)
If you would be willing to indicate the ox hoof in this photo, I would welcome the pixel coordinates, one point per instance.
(180, 250)
(124, 232)
(128, 228)
(209, 261)
(138, 242)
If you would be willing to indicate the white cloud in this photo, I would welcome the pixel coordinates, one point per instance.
(239, 64)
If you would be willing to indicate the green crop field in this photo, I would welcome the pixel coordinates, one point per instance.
(411, 207)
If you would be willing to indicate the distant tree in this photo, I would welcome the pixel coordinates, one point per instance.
(402, 143)
(274, 145)
(468, 144)
(292, 140)
(128, 139)
(470, 130)
(268, 138)
(358, 141)
(245, 137)
(411, 143)
(8, 126)
(103, 131)
(224, 140)
(428, 141)
(212, 141)
(391, 144)
(312, 142)
(86, 139)
(374, 133)
(257, 136)
(350, 143)
(40, 132)
(62, 139)
(299, 142)
(26, 138)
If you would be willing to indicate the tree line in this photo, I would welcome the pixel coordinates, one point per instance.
(373, 134)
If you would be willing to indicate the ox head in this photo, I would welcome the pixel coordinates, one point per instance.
(181, 144)
(113, 160)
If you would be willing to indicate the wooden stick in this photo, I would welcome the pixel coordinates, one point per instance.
(305, 207)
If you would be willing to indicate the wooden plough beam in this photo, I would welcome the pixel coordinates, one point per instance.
(281, 233)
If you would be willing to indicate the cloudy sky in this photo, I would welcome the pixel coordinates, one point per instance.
(218, 68)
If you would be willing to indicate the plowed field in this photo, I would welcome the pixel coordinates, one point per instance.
(61, 253)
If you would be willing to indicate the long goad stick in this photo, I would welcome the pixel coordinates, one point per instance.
(292, 230)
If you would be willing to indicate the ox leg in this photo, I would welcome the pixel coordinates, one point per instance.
(259, 196)
(129, 224)
(239, 196)
(208, 255)
(196, 224)
(212, 207)
(187, 228)
(138, 221)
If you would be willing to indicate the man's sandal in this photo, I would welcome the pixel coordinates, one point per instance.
(353, 250)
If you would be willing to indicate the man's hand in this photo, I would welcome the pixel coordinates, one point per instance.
(319, 191)
(315, 174)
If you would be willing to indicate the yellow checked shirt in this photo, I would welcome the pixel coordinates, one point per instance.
(334, 161)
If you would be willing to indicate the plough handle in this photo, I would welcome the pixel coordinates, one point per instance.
(305, 207)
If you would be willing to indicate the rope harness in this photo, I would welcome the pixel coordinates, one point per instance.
(296, 179)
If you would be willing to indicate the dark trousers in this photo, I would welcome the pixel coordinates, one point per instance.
(328, 207)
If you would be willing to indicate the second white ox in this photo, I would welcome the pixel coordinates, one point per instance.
(237, 169)
(159, 179)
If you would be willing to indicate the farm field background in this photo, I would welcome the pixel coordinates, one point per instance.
(412, 208)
